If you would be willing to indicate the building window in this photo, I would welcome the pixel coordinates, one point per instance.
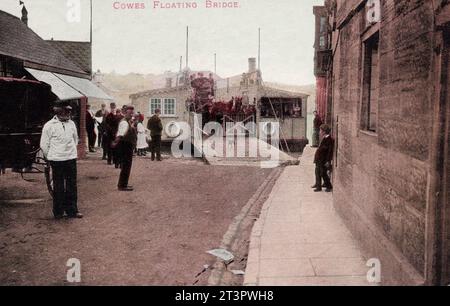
(5, 67)
(322, 43)
(371, 84)
(169, 107)
(10, 67)
(154, 105)
(323, 24)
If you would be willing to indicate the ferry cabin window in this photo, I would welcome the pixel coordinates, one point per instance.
(281, 108)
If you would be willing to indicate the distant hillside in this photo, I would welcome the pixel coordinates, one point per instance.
(121, 86)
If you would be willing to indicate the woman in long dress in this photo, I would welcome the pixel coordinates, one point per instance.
(142, 144)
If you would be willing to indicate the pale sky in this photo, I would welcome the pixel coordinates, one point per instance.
(152, 40)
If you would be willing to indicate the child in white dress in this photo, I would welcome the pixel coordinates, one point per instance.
(142, 144)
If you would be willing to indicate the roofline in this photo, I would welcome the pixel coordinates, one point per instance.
(42, 67)
(81, 74)
(293, 94)
(158, 90)
(6, 13)
(70, 41)
(303, 95)
(291, 97)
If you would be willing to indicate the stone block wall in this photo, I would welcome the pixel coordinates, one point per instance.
(382, 178)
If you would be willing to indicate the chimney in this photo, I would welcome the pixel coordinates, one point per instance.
(168, 82)
(24, 14)
(252, 65)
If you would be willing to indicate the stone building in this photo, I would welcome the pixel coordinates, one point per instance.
(170, 100)
(390, 114)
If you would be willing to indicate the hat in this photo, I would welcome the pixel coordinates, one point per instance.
(326, 128)
(58, 104)
(127, 107)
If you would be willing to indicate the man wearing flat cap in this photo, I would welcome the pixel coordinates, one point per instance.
(126, 139)
(59, 142)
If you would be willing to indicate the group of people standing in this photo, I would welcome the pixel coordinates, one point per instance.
(121, 134)
(108, 126)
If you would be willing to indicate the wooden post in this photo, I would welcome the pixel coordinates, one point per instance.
(187, 47)
(82, 144)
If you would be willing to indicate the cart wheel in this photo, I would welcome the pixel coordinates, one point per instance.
(49, 178)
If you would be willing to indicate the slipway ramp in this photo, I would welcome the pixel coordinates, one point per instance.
(243, 151)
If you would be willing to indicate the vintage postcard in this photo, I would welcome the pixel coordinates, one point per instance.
(202, 143)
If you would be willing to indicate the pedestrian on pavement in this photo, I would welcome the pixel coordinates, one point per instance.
(126, 139)
(142, 144)
(59, 142)
(101, 118)
(155, 126)
(323, 159)
(316, 133)
(90, 128)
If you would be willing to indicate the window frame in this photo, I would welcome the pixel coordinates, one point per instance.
(369, 35)
(161, 104)
(151, 109)
(164, 110)
(283, 108)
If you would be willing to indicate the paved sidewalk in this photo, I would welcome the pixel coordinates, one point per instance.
(299, 239)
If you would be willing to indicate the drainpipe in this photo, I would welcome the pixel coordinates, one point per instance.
(434, 227)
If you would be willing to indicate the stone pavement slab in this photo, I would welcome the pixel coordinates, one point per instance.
(299, 240)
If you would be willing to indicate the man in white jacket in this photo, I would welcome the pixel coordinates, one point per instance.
(59, 143)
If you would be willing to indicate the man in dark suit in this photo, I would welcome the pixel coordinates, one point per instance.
(323, 159)
(90, 128)
(126, 139)
(156, 128)
(102, 113)
(111, 127)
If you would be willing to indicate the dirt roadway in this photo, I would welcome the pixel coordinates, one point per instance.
(157, 235)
